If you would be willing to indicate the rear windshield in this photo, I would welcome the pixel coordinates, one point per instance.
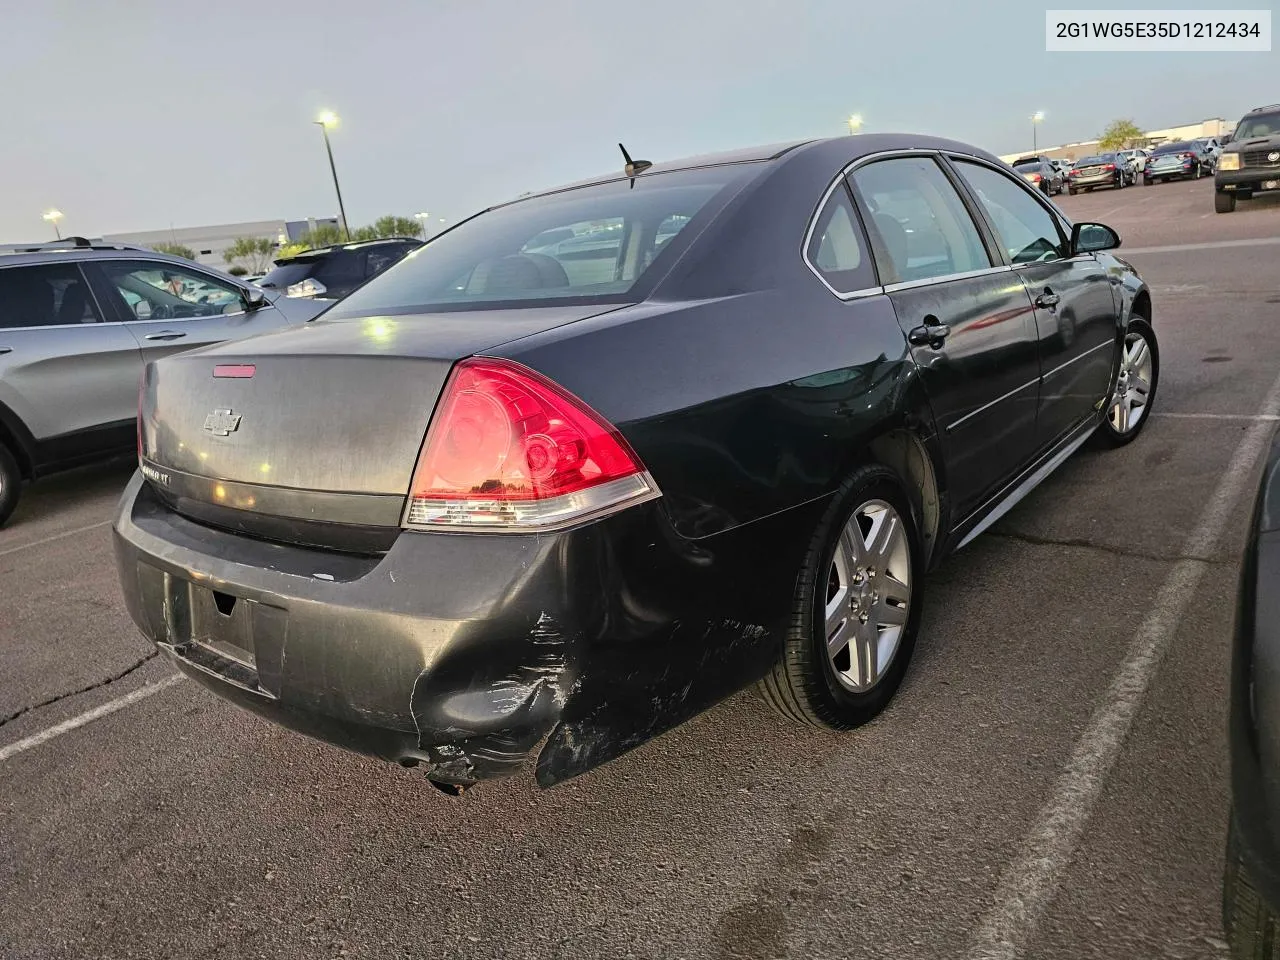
(1027, 167)
(1179, 147)
(1267, 125)
(1093, 161)
(592, 244)
(287, 273)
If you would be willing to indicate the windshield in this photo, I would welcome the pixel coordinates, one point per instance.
(587, 245)
(1180, 146)
(1264, 126)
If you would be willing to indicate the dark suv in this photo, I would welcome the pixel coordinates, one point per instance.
(1251, 160)
(79, 321)
(330, 273)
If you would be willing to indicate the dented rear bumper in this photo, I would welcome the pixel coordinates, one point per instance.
(466, 652)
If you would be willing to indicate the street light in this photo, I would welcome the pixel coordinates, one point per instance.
(326, 120)
(53, 216)
(1035, 121)
(855, 122)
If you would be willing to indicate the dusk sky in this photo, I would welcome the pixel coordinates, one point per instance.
(141, 114)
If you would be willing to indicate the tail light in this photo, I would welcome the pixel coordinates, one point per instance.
(1188, 156)
(1108, 166)
(1035, 178)
(309, 287)
(509, 449)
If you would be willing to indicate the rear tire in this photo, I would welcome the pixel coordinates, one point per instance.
(1071, 190)
(1129, 407)
(861, 589)
(1249, 922)
(1224, 202)
(10, 483)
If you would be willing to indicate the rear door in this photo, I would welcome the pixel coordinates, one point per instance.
(1075, 308)
(968, 320)
(171, 308)
(68, 376)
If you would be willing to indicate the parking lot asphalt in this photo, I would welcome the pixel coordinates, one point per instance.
(1015, 800)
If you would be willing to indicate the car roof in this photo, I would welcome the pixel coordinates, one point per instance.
(351, 245)
(74, 249)
(846, 148)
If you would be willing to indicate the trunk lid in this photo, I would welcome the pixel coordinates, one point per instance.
(311, 434)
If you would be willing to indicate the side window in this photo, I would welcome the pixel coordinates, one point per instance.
(926, 230)
(1026, 230)
(341, 269)
(835, 247)
(153, 290)
(380, 258)
(45, 296)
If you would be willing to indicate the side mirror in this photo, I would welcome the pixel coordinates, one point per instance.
(142, 310)
(1092, 237)
(1225, 139)
(254, 299)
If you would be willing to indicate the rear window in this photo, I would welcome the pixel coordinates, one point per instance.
(585, 245)
(1093, 161)
(295, 271)
(1026, 167)
(1179, 147)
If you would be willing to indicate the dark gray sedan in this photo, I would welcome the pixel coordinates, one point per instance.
(532, 497)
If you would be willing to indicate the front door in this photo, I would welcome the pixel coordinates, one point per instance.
(68, 377)
(969, 322)
(170, 308)
(1076, 317)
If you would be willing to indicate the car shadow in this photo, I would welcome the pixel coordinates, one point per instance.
(81, 489)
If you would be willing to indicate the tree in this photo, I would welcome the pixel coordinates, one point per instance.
(174, 250)
(238, 271)
(1120, 134)
(390, 226)
(324, 235)
(256, 250)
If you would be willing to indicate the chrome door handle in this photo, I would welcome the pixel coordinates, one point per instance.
(1047, 299)
(165, 335)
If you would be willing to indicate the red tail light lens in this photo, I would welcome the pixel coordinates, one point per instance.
(1108, 166)
(508, 448)
(1035, 178)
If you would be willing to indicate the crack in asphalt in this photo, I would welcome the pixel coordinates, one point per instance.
(75, 693)
(1039, 541)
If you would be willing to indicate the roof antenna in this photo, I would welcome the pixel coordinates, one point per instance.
(633, 167)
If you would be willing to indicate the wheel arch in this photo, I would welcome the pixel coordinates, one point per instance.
(15, 436)
(906, 454)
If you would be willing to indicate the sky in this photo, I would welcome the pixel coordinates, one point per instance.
(143, 114)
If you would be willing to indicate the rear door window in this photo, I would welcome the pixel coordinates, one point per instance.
(48, 295)
(924, 227)
(835, 247)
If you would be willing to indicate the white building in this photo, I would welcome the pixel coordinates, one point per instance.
(209, 243)
(1214, 127)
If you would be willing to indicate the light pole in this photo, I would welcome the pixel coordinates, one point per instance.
(424, 222)
(53, 216)
(1035, 122)
(855, 122)
(326, 120)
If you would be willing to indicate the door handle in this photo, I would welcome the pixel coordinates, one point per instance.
(932, 333)
(1047, 299)
(165, 335)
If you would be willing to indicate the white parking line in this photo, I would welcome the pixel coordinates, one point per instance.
(1258, 417)
(66, 726)
(56, 536)
(1029, 883)
(1209, 245)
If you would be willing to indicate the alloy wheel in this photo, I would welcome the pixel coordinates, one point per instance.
(868, 597)
(1133, 386)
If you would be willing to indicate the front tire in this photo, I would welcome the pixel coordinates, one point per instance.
(857, 608)
(10, 483)
(1129, 407)
(1224, 202)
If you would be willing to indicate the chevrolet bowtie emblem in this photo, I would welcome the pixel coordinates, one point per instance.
(222, 422)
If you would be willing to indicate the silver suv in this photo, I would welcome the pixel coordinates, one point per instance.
(77, 323)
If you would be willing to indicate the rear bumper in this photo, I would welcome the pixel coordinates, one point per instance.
(1160, 173)
(1096, 180)
(1246, 180)
(465, 652)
